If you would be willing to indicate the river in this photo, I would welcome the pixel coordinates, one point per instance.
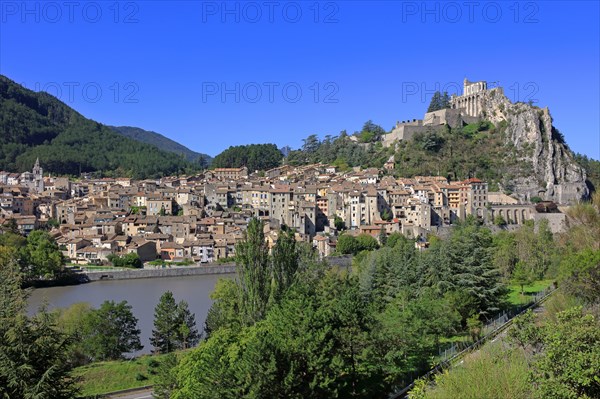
(141, 294)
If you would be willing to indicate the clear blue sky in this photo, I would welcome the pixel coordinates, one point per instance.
(163, 66)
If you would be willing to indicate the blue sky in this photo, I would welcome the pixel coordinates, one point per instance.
(213, 74)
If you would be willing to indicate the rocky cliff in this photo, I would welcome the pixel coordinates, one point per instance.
(528, 129)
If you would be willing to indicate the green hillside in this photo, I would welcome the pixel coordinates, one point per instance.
(36, 125)
(162, 142)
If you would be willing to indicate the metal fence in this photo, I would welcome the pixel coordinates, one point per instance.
(450, 352)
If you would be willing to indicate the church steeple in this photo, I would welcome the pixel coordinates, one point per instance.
(38, 176)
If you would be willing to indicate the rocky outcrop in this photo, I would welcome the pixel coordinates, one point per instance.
(529, 133)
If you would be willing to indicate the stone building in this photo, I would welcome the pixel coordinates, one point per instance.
(471, 101)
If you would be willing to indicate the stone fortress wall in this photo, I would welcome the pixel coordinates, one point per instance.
(464, 109)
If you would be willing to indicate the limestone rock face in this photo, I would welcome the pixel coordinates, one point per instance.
(556, 176)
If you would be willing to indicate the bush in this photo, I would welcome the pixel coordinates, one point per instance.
(140, 377)
(130, 260)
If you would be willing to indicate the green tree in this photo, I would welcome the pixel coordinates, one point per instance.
(386, 214)
(522, 275)
(382, 236)
(71, 321)
(226, 308)
(165, 381)
(41, 256)
(252, 259)
(394, 238)
(284, 263)
(569, 362)
(469, 258)
(111, 331)
(165, 324)
(174, 325)
(34, 353)
(347, 244)
(130, 260)
(339, 223)
(187, 333)
(499, 221)
(439, 101)
(366, 242)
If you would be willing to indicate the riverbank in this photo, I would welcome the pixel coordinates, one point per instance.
(175, 271)
(179, 271)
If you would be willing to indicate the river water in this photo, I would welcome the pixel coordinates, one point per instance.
(141, 294)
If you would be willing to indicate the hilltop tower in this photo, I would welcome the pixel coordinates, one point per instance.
(470, 101)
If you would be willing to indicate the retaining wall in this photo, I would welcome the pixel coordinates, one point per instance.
(160, 272)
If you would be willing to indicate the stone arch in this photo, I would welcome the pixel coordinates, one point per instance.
(517, 219)
(524, 215)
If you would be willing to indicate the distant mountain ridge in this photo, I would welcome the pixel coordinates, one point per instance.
(160, 141)
(38, 125)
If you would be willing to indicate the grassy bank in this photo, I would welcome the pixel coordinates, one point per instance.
(103, 377)
(516, 298)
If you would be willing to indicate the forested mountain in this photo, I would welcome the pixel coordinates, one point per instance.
(36, 125)
(162, 142)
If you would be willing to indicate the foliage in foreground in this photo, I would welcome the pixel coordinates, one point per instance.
(34, 355)
(288, 327)
(561, 348)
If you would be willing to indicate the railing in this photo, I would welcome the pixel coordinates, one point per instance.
(490, 330)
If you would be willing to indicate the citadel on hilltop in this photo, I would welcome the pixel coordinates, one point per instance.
(465, 109)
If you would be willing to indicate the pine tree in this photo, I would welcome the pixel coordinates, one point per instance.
(436, 102)
(174, 325)
(187, 332)
(165, 324)
(111, 331)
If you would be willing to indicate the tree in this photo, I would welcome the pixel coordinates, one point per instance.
(165, 381)
(187, 333)
(522, 275)
(284, 263)
(394, 238)
(499, 221)
(252, 259)
(569, 362)
(469, 259)
(311, 143)
(110, 331)
(339, 223)
(226, 308)
(41, 256)
(165, 324)
(386, 214)
(435, 103)
(174, 325)
(439, 101)
(347, 244)
(253, 156)
(130, 260)
(382, 236)
(366, 242)
(34, 353)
